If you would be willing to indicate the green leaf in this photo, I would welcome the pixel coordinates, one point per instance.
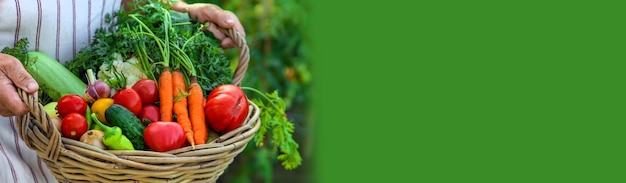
(19, 51)
(273, 118)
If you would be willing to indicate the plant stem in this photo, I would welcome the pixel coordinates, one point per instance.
(181, 23)
(163, 45)
(185, 59)
(91, 78)
(264, 96)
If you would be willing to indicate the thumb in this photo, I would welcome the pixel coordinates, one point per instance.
(14, 70)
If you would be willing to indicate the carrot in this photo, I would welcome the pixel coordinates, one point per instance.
(166, 100)
(196, 112)
(180, 105)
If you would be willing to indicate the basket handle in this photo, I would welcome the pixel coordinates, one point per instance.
(244, 54)
(47, 146)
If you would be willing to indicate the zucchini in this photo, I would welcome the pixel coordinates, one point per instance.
(53, 78)
(132, 128)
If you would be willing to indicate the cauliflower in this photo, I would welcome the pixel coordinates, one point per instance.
(129, 69)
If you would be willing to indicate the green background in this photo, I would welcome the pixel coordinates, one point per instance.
(468, 91)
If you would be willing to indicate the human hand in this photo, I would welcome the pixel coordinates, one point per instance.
(205, 12)
(13, 74)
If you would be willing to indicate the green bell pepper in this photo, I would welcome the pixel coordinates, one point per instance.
(113, 137)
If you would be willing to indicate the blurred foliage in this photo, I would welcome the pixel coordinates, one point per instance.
(275, 33)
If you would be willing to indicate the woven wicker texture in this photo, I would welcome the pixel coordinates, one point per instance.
(72, 161)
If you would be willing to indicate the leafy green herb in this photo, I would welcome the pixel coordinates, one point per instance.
(273, 118)
(19, 51)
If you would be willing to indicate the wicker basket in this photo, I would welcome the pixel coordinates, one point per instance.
(72, 161)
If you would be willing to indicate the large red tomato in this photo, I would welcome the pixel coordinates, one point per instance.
(128, 98)
(147, 90)
(164, 136)
(71, 103)
(74, 125)
(226, 108)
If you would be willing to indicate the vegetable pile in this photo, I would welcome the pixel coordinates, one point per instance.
(153, 81)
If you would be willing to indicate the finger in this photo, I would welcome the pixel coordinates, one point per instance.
(205, 12)
(238, 26)
(217, 33)
(11, 103)
(225, 19)
(228, 43)
(231, 19)
(5, 112)
(240, 30)
(14, 71)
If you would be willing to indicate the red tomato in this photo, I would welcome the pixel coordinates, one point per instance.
(71, 103)
(73, 126)
(147, 90)
(150, 112)
(226, 108)
(164, 136)
(128, 98)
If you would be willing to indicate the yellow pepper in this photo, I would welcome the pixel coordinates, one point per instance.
(100, 106)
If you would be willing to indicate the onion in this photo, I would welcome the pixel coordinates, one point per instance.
(95, 89)
(94, 138)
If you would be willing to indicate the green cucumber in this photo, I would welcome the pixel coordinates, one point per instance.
(132, 128)
(53, 78)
